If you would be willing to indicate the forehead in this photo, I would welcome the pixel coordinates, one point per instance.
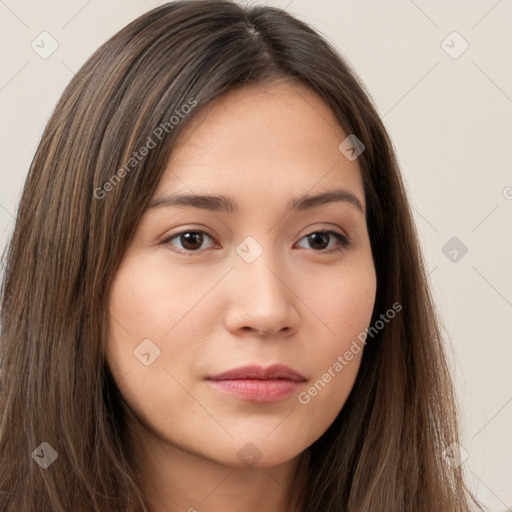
(279, 138)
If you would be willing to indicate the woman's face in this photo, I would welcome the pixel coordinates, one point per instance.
(208, 286)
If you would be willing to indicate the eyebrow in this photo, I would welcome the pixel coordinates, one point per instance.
(225, 204)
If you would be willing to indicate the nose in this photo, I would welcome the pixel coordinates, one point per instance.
(261, 300)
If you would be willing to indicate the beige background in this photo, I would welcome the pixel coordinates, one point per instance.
(450, 120)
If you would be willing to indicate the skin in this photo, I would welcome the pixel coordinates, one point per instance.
(262, 146)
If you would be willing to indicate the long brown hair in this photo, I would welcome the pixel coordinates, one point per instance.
(82, 200)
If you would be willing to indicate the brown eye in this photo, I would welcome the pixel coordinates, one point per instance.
(191, 241)
(320, 240)
(188, 241)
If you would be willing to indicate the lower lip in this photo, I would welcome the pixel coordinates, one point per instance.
(269, 390)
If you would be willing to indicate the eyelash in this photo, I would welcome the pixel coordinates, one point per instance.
(342, 240)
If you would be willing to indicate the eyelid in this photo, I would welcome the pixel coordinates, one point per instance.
(325, 228)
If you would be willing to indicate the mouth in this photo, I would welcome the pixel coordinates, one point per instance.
(257, 384)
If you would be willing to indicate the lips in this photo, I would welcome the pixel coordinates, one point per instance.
(276, 371)
(256, 384)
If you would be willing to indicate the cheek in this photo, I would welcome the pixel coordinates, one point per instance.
(142, 308)
(146, 313)
(152, 300)
(153, 324)
(345, 306)
(355, 300)
(343, 299)
(146, 297)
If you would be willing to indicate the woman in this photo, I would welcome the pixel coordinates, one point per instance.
(214, 297)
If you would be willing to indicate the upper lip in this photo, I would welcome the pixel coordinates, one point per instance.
(275, 371)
